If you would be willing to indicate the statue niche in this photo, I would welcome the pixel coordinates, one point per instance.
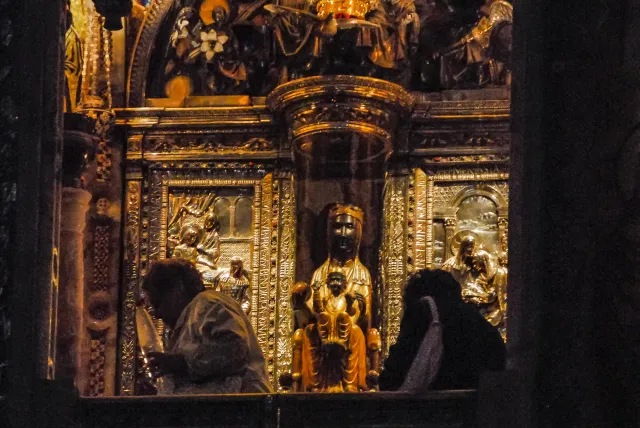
(329, 346)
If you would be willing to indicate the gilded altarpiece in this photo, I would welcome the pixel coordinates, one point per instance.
(455, 178)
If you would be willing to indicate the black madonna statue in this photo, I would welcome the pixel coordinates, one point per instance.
(333, 313)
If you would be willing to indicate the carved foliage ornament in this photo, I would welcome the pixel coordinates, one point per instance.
(457, 140)
(217, 144)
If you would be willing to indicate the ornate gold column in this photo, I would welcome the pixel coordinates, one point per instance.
(393, 256)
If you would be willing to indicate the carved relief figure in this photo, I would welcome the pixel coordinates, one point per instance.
(198, 211)
(362, 37)
(332, 314)
(196, 249)
(234, 282)
(475, 270)
(72, 64)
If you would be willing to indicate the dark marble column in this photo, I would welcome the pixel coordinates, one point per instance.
(78, 153)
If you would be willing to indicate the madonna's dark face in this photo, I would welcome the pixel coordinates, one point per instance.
(345, 235)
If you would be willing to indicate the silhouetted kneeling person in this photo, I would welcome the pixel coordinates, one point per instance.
(470, 344)
(212, 347)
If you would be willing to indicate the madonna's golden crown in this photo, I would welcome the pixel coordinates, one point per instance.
(352, 210)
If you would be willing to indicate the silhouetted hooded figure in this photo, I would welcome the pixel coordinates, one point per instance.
(471, 344)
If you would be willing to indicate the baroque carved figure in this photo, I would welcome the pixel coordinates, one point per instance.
(73, 47)
(214, 49)
(363, 37)
(331, 316)
(482, 56)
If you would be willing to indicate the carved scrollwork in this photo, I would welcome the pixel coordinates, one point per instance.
(247, 167)
(286, 275)
(467, 159)
(333, 112)
(394, 255)
(459, 140)
(208, 144)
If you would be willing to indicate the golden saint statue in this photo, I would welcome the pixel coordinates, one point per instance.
(234, 282)
(330, 354)
(329, 346)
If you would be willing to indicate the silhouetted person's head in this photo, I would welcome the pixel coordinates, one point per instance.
(438, 284)
(170, 285)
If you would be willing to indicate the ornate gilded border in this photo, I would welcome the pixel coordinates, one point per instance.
(266, 266)
(128, 339)
(286, 275)
(394, 256)
(422, 207)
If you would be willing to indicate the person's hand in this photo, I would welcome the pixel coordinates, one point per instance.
(161, 363)
(144, 386)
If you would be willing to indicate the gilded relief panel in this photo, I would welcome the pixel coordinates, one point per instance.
(468, 213)
(210, 216)
(208, 221)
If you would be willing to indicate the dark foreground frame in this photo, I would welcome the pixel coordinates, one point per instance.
(442, 409)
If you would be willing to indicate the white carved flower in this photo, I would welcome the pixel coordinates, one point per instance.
(212, 43)
(180, 31)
